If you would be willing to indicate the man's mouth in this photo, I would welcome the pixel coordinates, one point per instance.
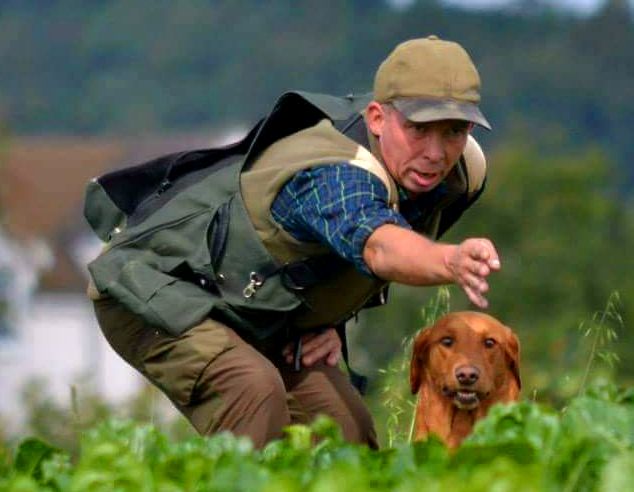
(424, 179)
(464, 399)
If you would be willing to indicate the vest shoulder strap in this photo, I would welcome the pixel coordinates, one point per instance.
(475, 164)
(365, 160)
(341, 109)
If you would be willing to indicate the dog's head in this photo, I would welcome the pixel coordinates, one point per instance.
(469, 358)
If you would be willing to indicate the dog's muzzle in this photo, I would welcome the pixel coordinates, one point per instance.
(463, 398)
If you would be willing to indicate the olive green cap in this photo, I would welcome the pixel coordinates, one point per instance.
(430, 79)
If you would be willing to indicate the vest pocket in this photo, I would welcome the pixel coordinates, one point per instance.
(165, 273)
(142, 280)
(167, 302)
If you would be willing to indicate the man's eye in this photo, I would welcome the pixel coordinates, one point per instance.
(446, 341)
(418, 127)
(457, 131)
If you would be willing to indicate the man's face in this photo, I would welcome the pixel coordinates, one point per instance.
(418, 155)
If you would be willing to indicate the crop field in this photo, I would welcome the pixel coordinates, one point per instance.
(585, 443)
(588, 445)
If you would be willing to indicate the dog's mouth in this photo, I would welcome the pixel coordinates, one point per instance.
(464, 399)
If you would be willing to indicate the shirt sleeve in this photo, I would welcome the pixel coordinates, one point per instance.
(339, 205)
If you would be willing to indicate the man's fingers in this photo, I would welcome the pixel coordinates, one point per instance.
(482, 250)
(289, 348)
(488, 254)
(315, 347)
(315, 340)
(478, 284)
(474, 260)
(480, 257)
(477, 268)
(476, 297)
(325, 351)
(333, 358)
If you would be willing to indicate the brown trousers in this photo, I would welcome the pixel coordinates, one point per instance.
(218, 381)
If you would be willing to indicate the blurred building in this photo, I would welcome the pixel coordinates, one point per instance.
(47, 327)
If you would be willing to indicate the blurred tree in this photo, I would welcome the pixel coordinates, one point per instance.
(116, 66)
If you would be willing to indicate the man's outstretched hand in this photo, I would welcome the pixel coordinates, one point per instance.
(470, 263)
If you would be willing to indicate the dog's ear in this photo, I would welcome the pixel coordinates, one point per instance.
(512, 351)
(419, 356)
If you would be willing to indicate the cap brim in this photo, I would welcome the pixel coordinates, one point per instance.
(424, 110)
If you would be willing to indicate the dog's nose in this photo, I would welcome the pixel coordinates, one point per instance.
(467, 375)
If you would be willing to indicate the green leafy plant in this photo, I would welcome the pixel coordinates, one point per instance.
(601, 330)
(519, 447)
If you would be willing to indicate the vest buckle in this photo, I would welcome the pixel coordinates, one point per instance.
(255, 282)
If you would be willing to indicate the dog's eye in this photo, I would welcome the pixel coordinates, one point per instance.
(489, 343)
(446, 341)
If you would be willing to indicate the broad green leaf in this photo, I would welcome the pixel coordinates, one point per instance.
(30, 455)
(618, 474)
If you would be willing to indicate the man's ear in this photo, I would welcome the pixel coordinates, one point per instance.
(419, 359)
(374, 118)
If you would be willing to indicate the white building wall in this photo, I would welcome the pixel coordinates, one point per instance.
(58, 339)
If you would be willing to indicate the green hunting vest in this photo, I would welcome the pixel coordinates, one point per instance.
(199, 241)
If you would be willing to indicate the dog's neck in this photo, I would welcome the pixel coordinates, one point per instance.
(437, 414)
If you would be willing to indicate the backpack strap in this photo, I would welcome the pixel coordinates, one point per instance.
(297, 110)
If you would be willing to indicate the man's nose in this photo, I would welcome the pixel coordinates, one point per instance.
(434, 149)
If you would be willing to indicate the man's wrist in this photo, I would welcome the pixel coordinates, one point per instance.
(450, 254)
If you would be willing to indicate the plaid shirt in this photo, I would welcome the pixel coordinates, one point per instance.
(341, 205)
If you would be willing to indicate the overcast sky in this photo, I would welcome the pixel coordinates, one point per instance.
(585, 6)
(581, 6)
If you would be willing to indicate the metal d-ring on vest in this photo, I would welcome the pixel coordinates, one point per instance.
(255, 282)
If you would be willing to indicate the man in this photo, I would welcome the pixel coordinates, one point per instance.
(306, 227)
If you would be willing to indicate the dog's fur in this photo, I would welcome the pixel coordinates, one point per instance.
(461, 366)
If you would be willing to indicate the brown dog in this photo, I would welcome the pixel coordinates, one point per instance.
(461, 366)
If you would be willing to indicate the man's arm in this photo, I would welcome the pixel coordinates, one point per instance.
(397, 254)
